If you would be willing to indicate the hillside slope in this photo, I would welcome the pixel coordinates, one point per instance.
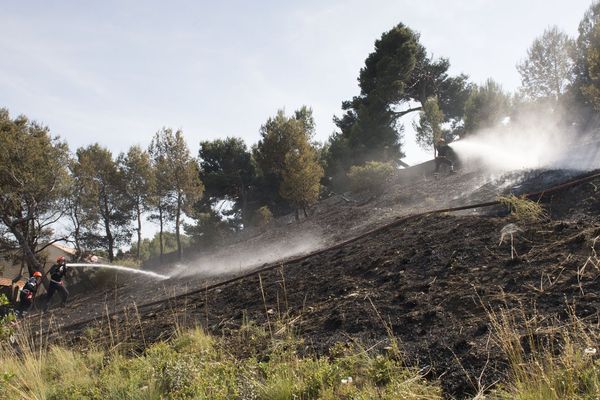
(430, 279)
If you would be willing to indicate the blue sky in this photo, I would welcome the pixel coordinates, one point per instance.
(117, 71)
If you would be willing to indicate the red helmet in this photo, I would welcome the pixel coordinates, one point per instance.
(37, 274)
(60, 259)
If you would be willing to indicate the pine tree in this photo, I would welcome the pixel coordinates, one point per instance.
(178, 183)
(301, 176)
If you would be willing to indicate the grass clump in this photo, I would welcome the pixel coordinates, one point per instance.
(547, 360)
(523, 209)
(194, 365)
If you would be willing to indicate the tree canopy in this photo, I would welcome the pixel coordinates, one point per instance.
(398, 78)
(106, 203)
(486, 107)
(429, 127)
(279, 136)
(547, 71)
(139, 181)
(591, 90)
(177, 178)
(228, 171)
(33, 184)
(301, 183)
(229, 183)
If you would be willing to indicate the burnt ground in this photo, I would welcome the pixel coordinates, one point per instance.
(431, 279)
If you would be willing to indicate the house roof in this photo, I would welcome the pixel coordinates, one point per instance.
(8, 282)
(66, 249)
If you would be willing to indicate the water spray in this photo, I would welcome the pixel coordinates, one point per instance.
(119, 268)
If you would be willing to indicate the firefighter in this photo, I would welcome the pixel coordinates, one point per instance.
(443, 155)
(57, 272)
(27, 294)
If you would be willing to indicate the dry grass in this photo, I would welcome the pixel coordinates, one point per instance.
(523, 209)
(194, 364)
(548, 359)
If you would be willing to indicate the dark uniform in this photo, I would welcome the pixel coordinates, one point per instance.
(27, 295)
(443, 156)
(57, 273)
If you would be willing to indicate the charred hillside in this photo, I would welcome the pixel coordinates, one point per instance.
(431, 280)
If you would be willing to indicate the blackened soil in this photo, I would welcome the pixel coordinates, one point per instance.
(431, 281)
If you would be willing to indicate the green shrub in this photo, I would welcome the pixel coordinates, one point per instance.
(382, 370)
(263, 216)
(195, 365)
(371, 176)
(6, 321)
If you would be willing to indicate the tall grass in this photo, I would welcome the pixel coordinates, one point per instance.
(195, 365)
(547, 360)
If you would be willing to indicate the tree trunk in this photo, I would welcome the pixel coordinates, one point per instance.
(305, 213)
(109, 236)
(76, 234)
(244, 197)
(297, 215)
(110, 240)
(139, 230)
(22, 266)
(32, 263)
(160, 235)
(177, 223)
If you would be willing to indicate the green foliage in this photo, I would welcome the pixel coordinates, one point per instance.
(368, 127)
(452, 94)
(228, 172)
(591, 89)
(263, 216)
(7, 320)
(150, 248)
(305, 115)
(371, 176)
(103, 199)
(583, 45)
(388, 69)
(209, 227)
(486, 107)
(429, 128)
(375, 135)
(546, 72)
(338, 159)
(280, 136)
(33, 183)
(139, 183)
(178, 184)
(302, 175)
(195, 365)
(397, 73)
